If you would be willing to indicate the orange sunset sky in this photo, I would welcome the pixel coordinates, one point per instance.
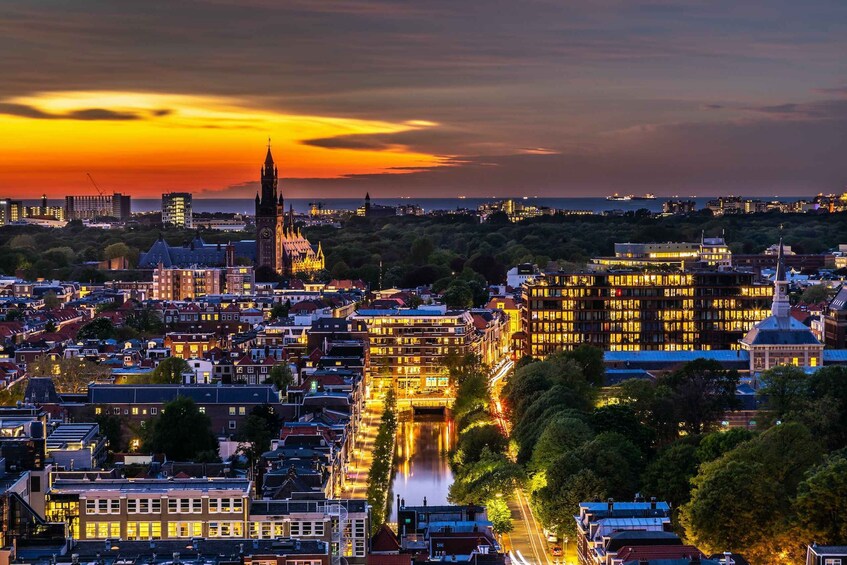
(168, 142)
(428, 98)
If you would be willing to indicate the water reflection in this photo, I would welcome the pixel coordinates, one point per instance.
(423, 468)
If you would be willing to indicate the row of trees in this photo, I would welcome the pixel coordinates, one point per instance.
(763, 493)
(382, 464)
(483, 471)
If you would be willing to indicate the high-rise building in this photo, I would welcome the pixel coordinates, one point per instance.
(104, 205)
(10, 211)
(176, 209)
(634, 311)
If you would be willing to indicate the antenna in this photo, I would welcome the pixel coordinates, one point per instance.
(99, 190)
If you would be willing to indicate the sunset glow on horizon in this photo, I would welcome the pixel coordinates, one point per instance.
(144, 144)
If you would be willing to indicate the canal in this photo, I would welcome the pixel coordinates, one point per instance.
(423, 467)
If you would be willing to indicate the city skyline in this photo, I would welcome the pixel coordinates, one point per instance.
(479, 99)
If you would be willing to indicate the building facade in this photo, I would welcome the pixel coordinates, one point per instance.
(105, 205)
(634, 311)
(410, 348)
(173, 283)
(176, 209)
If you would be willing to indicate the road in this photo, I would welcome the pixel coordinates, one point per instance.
(526, 544)
(360, 462)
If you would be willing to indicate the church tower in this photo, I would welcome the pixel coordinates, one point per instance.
(269, 217)
(781, 307)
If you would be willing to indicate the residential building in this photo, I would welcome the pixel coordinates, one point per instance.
(176, 210)
(518, 275)
(598, 522)
(173, 283)
(826, 554)
(191, 345)
(149, 509)
(633, 311)
(410, 348)
(709, 251)
(835, 321)
(226, 405)
(105, 205)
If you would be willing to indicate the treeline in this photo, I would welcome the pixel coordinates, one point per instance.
(764, 493)
(38, 252)
(382, 464)
(409, 251)
(436, 250)
(483, 471)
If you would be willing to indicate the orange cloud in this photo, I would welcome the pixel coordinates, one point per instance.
(146, 143)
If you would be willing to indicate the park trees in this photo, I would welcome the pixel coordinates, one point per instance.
(182, 432)
(69, 374)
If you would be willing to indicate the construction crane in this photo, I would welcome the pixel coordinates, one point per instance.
(99, 191)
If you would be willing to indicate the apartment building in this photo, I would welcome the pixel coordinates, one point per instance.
(410, 348)
(173, 283)
(149, 509)
(636, 311)
(176, 209)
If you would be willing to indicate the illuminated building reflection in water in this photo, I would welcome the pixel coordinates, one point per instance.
(423, 468)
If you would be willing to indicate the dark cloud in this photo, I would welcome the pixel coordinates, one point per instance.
(542, 88)
(26, 111)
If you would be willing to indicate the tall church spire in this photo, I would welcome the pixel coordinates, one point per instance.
(781, 306)
(269, 159)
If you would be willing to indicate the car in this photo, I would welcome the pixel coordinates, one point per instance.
(556, 551)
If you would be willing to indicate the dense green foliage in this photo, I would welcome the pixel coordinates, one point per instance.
(427, 250)
(483, 471)
(169, 371)
(182, 433)
(382, 463)
(774, 489)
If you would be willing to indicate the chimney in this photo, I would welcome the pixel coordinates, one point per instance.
(652, 503)
(611, 506)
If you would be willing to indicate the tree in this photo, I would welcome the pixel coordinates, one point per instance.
(493, 474)
(668, 476)
(169, 371)
(717, 443)
(821, 503)
(280, 376)
(181, 431)
(98, 328)
(473, 441)
(458, 296)
(562, 434)
(755, 512)
(23, 242)
(702, 391)
(500, 515)
(145, 320)
(280, 310)
(422, 248)
(116, 250)
(815, 293)
(70, 375)
(51, 301)
(111, 428)
(784, 390)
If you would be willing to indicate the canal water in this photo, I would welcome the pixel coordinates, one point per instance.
(423, 467)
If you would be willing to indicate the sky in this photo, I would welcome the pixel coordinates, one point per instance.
(424, 98)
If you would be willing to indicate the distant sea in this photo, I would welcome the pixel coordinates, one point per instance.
(301, 205)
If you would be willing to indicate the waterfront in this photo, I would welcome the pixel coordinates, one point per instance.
(423, 468)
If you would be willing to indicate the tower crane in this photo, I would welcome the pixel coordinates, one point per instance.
(99, 190)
